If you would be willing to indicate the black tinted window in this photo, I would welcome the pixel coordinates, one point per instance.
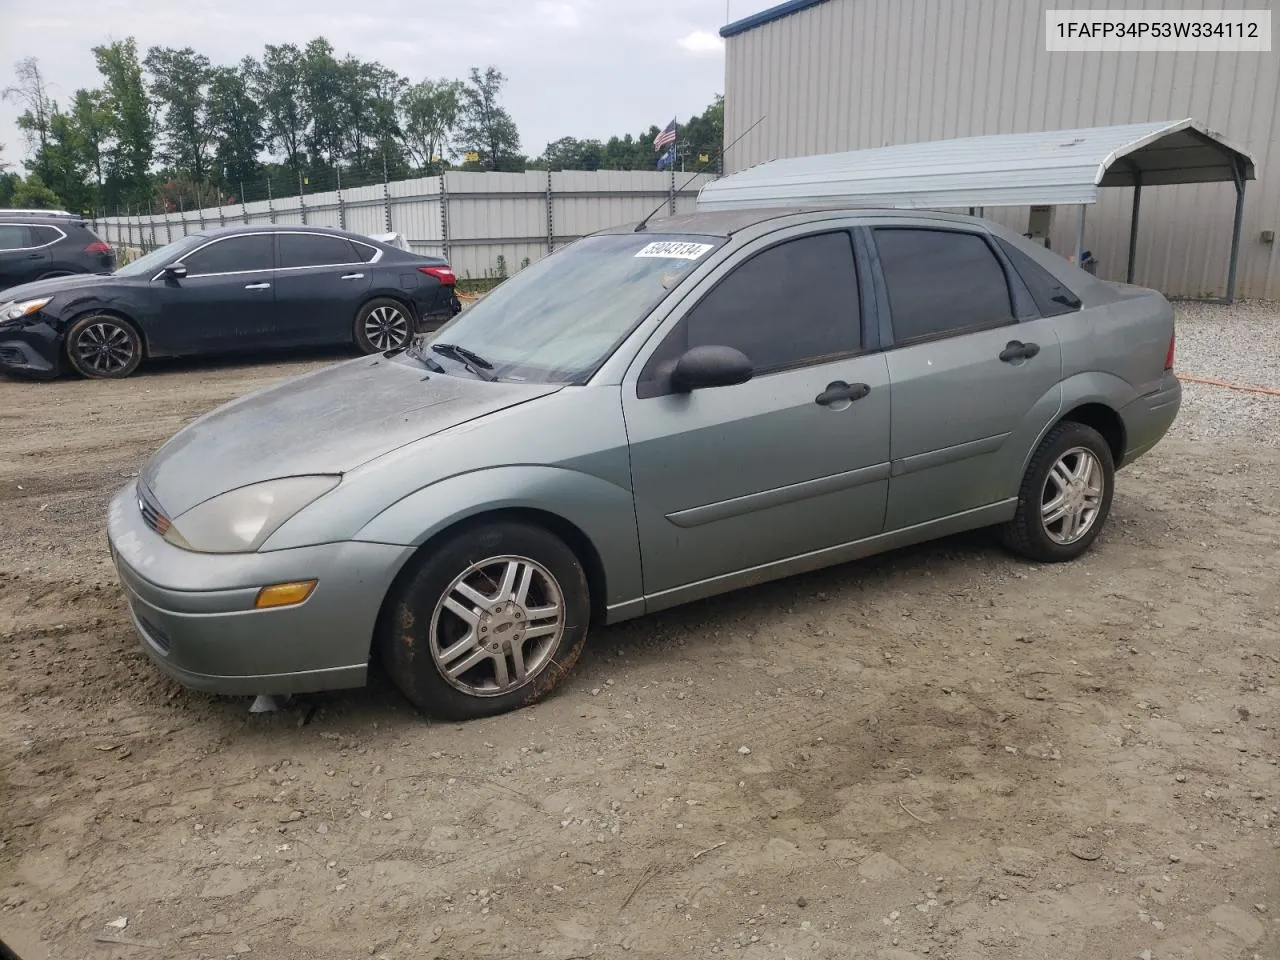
(363, 252)
(940, 282)
(791, 304)
(42, 235)
(314, 250)
(249, 252)
(14, 236)
(1051, 296)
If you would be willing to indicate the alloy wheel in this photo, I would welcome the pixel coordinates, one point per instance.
(105, 347)
(1072, 495)
(386, 328)
(497, 625)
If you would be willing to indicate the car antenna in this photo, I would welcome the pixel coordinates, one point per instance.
(697, 173)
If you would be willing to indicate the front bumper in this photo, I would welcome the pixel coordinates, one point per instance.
(32, 350)
(1148, 419)
(195, 614)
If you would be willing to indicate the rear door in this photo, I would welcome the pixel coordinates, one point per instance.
(320, 284)
(225, 303)
(23, 256)
(974, 370)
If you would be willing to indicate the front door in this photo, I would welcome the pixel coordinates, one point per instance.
(794, 460)
(973, 384)
(224, 304)
(320, 286)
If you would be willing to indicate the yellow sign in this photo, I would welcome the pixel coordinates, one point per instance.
(704, 158)
(473, 157)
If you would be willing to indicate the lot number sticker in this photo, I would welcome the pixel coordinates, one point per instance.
(674, 250)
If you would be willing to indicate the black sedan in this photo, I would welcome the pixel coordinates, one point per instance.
(232, 290)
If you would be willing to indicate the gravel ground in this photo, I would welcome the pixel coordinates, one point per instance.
(943, 753)
(1238, 344)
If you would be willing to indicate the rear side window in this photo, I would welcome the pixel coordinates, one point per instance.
(941, 282)
(1051, 295)
(15, 236)
(251, 251)
(364, 252)
(314, 250)
(41, 235)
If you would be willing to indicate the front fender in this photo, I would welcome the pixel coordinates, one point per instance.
(604, 512)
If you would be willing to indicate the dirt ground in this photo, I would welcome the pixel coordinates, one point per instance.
(943, 753)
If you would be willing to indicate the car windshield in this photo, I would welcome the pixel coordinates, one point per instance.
(558, 320)
(152, 262)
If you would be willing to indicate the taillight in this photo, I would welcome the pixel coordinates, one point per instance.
(1168, 357)
(444, 274)
(97, 247)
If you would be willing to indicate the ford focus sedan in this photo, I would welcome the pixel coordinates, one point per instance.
(648, 416)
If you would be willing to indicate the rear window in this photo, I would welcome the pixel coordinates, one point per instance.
(40, 235)
(314, 250)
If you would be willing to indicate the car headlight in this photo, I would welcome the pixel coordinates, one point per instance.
(240, 521)
(16, 310)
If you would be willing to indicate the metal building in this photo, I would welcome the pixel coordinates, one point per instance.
(837, 75)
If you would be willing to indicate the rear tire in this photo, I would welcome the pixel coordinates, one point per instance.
(487, 621)
(103, 347)
(383, 324)
(1065, 496)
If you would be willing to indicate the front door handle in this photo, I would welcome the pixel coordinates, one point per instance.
(1017, 350)
(257, 286)
(838, 391)
(352, 276)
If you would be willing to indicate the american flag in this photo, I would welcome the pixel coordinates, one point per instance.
(666, 137)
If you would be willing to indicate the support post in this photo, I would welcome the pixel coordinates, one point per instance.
(1080, 236)
(551, 223)
(444, 215)
(386, 194)
(271, 210)
(1133, 226)
(1234, 262)
(302, 202)
(342, 211)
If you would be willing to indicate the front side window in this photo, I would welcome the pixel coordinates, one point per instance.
(793, 304)
(941, 282)
(314, 250)
(234, 255)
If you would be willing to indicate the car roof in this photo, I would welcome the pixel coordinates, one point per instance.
(725, 223)
(285, 228)
(34, 216)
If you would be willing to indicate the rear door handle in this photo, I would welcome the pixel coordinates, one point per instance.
(1017, 350)
(352, 276)
(838, 391)
(257, 286)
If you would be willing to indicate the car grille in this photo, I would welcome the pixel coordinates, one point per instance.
(11, 355)
(152, 515)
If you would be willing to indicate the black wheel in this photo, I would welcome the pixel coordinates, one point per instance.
(1065, 495)
(383, 324)
(485, 622)
(104, 347)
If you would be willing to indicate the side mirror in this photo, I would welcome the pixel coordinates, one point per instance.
(710, 366)
(175, 271)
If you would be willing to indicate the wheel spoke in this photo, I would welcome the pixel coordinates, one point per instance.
(542, 613)
(472, 595)
(457, 669)
(500, 674)
(517, 659)
(1060, 476)
(507, 587)
(1055, 511)
(462, 611)
(450, 654)
(1084, 467)
(541, 630)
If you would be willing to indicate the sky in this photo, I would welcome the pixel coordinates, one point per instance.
(581, 68)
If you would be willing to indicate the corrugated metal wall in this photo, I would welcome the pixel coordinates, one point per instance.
(851, 74)
(472, 218)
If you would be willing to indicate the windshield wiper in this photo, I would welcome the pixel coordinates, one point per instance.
(475, 363)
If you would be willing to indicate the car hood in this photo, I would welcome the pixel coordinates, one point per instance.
(47, 288)
(330, 421)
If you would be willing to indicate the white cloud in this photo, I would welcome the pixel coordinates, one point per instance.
(702, 42)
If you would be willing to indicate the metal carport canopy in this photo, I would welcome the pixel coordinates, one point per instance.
(1010, 170)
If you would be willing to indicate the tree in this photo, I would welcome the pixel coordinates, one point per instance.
(127, 160)
(235, 121)
(484, 126)
(324, 84)
(430, 111)
(92, 124)
(569, 153)
(277, 83)
(180, 86)
(32, 194)
(374, 136)
(31, 93)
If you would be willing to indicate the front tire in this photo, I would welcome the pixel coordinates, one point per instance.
(486, 622)
(103, 347)
(383, 324)
(1065, 496)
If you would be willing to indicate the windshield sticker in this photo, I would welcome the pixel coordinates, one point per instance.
(674, 250)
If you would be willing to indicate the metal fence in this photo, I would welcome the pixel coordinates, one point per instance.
(481, 222)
